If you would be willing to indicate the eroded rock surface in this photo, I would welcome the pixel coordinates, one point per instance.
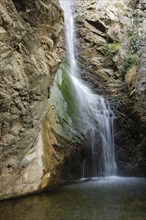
(29, 36)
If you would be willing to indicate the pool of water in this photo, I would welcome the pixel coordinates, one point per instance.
(113, 198)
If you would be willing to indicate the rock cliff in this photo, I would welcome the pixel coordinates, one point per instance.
(29, 37)
(112, 59)
(38, 147)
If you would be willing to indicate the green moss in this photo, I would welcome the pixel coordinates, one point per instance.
(69, 93)
(67, 110)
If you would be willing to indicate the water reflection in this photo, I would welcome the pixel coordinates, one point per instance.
(101, 199)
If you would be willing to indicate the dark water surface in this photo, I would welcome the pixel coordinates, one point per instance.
(98, 199)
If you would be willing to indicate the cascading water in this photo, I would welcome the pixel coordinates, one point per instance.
(96, 110)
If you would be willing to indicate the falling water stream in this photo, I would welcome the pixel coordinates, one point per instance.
(108, 198)
(98, 114)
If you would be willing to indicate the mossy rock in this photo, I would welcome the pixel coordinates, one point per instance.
(68, 92)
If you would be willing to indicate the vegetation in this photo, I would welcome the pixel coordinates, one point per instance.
(135, 43)
(68, 92)
(113, 48)
(128, 62)
(78, 18)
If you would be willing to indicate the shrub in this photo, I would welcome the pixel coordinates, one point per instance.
(113, 48)
(128, 62)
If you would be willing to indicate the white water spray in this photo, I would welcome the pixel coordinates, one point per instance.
(96, 110)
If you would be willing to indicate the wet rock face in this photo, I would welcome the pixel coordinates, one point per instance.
(29, 35)
(111, 45)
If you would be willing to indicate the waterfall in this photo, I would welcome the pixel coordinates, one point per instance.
(98, 115)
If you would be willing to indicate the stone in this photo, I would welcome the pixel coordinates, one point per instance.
(29, 38)
(110, 33)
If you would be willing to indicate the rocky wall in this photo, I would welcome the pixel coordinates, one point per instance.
(29, 37)
(111, 56)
